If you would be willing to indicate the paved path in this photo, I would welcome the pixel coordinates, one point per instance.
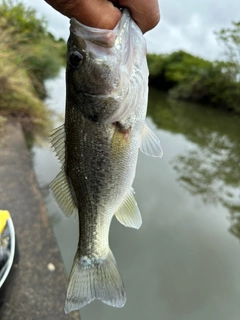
(35, 292)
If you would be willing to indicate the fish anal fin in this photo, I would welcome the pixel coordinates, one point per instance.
(128, 213)
(150, 144)
(62, 193)
(94, 278)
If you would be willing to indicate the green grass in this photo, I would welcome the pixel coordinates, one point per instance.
(18, 97)
(29, 55)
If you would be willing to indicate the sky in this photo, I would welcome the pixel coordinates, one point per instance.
(188, 25)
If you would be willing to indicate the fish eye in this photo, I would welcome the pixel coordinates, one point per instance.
(76, 58)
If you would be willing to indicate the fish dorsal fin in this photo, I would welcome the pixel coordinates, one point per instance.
(128, 213)
(62, 193)
(150, 144)
(57, 140)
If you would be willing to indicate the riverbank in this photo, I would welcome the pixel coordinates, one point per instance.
(186, 77)
(39, 281)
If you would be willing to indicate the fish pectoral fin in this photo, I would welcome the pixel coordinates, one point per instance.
(61, 191)
(150, 144)
(128, 213)
(94, 278)
(57, 140)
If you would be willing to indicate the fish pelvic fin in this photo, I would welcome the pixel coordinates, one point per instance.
(94, 278)
(128, 213)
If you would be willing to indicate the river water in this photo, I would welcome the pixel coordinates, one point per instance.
(184, 262)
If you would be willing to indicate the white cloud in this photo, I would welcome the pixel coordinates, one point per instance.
(185, 24)
(190, 25)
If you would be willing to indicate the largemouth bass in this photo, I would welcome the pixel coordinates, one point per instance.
(106, 103)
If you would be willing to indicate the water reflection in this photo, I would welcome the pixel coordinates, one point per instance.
(182, 264)
(211, 167)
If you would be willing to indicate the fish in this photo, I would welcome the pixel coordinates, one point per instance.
(98, 145)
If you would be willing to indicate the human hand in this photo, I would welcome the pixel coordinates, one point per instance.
(104, 14)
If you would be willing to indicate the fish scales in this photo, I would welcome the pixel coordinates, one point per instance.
(106, 102)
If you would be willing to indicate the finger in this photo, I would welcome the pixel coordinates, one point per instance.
(145, 12)
(95, 13)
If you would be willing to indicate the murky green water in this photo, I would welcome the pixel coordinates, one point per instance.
(184, 262)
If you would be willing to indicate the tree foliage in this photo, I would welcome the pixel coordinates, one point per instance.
(229, 38)
(22, 20)
(191, 78)
(41, 53)
(29, 55)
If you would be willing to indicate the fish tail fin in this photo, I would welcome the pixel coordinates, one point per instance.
(96, 278)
